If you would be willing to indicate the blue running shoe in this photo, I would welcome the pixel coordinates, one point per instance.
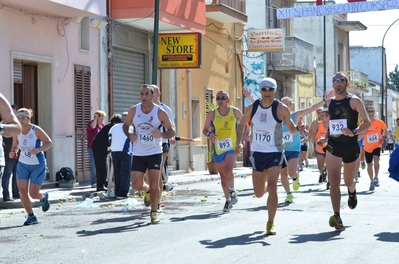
(32, 220)
(45, 204)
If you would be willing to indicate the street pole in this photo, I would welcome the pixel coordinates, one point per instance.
(324, 55)
(155, 44)
(383, 71)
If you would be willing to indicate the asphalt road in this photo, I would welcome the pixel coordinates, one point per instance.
(193, 228)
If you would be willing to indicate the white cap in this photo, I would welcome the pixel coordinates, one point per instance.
(268, 82)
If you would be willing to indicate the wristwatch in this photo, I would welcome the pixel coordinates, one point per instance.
(1, 130)
(207, 134)
(354, 132)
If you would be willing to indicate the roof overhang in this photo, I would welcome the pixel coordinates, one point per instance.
(61, 8)
(350, 25)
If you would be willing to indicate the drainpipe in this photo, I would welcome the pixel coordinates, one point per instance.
(190, 111)
(110, 60)
(174, 105)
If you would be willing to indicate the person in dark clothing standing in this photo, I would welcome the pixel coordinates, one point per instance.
(10, 167)
(121, 151)
(100, 149)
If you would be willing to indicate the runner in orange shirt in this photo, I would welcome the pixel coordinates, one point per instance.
(321, 145)
(373, 139)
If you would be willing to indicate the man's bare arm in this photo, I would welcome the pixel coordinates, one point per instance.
(11, 126)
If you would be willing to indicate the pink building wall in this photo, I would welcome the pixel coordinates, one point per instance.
(56, 44)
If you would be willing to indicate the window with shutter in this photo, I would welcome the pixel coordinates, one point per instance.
(82, 117)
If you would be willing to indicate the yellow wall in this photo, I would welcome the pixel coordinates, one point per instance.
(306, 91)
(220, 70)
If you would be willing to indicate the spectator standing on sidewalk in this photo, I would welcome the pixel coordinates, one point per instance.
(9, 127)
(10, 168)
(100, 150)
(31, 168)
(92, 129)
(121, 152)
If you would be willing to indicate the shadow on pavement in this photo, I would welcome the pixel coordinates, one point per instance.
(125, 218)
(387, 237)
(246, 239)
(319, 237)
(113, 230)
(196, 217)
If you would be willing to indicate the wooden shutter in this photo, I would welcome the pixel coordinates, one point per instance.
(82, 117)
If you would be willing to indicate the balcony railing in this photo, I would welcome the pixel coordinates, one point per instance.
(238, 5)
(358, 81)
(296, 59)
(227, 11)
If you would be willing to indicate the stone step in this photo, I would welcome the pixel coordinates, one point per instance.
(176, 172)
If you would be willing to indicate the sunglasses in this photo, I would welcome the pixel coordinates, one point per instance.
(267, 89)
(221, 98)
(370, 111)
(339, 80)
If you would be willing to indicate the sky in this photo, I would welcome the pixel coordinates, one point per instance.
(377, 24)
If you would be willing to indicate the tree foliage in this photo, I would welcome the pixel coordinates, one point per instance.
(393, 79)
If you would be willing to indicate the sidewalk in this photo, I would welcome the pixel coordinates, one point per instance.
(79, 193)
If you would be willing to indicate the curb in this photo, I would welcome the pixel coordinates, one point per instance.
(77, 198)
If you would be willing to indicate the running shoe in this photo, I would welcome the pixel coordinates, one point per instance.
(147, 199)
(32, 220)
(320, 178)
(376, 182)
(335, 221)
(289, 198)
(270, 229)
(306, 164)
(295, 183)
(352, 200)
(154, 218)
(324, 175)
(159, 209)
(328, 186)
(363, 165)
(227, 206)
(371, 186)
(233, 196)
(44, 203)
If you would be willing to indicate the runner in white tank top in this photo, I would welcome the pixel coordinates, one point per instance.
(31, 168)
(267, 155)
(146, 118)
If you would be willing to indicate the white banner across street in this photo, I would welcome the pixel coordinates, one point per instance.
(321, 10)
